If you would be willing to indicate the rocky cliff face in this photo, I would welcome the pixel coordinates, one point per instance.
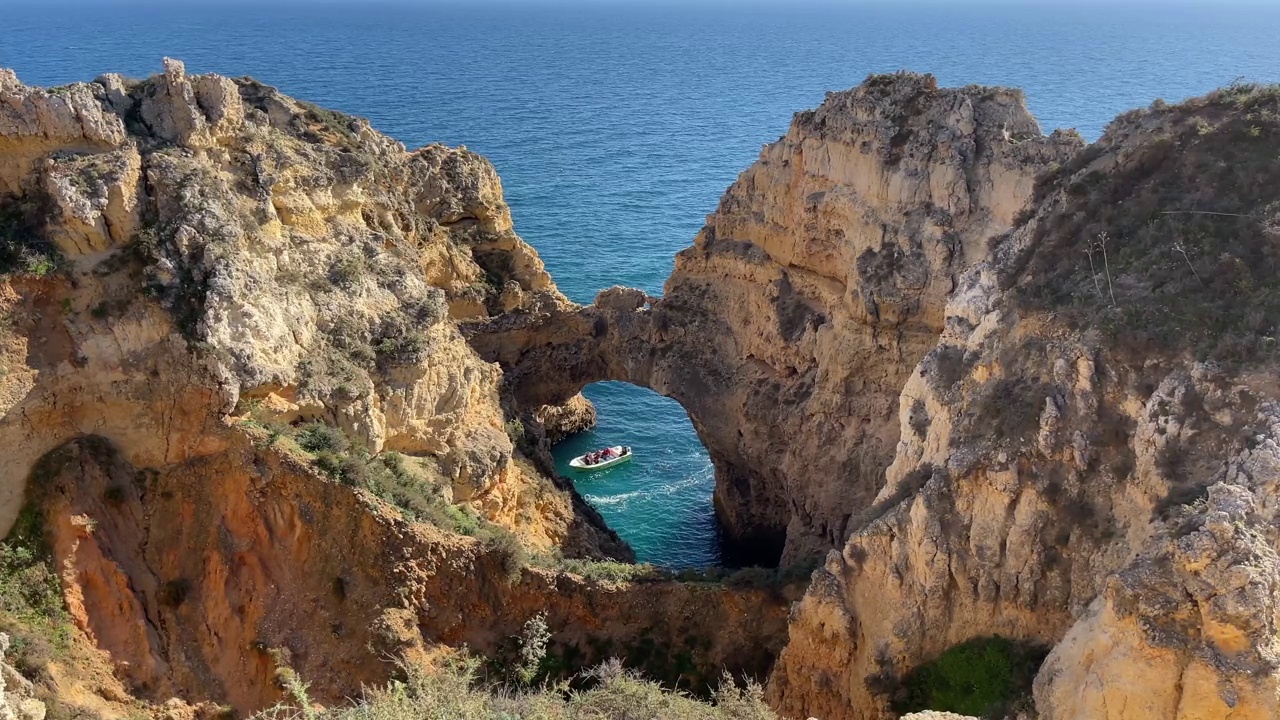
(233, 250)
(192, 578)
(1088, 457)
(1025, 387)
(228, 343)
(789, 328)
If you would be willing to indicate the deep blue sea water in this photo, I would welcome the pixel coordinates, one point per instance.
(616, 126)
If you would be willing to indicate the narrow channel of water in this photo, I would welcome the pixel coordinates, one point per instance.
(660, 502)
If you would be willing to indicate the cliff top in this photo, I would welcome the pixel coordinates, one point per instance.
(1165, 234)
(907, 114)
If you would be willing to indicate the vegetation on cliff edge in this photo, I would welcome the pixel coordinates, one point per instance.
(24, 247)
(1175, 247)
(984, 677)
(31, 608)
(453, 691)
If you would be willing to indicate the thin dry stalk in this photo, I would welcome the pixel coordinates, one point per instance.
(1102, 241)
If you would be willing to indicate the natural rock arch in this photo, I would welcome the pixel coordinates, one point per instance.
(627, 336)
(789, 328)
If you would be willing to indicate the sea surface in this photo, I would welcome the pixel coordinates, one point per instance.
(616, 126)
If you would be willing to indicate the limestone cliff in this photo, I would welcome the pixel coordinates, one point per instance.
(232, 388)
(17, 701)
(1025, 387)
(230, 249)
(1088, 457)
(789, 328)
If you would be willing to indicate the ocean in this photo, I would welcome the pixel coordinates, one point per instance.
(617, 125)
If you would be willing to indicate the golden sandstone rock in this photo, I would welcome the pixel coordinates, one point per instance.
(976, 362)
(234, 262)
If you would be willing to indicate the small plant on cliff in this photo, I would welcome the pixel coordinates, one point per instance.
(298, 705)
(24, 247)
(316, 124)
(605, 570)
(985, 677)
(31, 605)
(533, 649)
(515, 431)
(349, 269)
(317, 437)
(507, 547)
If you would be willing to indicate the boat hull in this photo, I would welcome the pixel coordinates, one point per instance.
(580, 463)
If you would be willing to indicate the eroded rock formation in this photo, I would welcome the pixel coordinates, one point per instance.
(311, 261)
(1025, 387)
(789, 328)
(202, 579)
(17, 701)
(1088, 457)
(196, 267)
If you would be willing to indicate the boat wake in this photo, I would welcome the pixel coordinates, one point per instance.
(668, 489)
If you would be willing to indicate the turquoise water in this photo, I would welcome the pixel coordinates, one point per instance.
(660, 501)
(617, 126)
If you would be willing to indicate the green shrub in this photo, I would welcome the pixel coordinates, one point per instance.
(317, 437)
(985, 677)
(402, 337)
(31, 604)
(609, 692)
(510, 551)
(348, 269)
(408, 348)
(515, 431)
(533, 649)
(346, 469)
(401, 482)
(24, 246)
(459, 519)
(609, 571)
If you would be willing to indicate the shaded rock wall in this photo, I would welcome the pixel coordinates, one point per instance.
(193, 578)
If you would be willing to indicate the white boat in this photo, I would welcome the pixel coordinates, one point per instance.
(621, 454)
